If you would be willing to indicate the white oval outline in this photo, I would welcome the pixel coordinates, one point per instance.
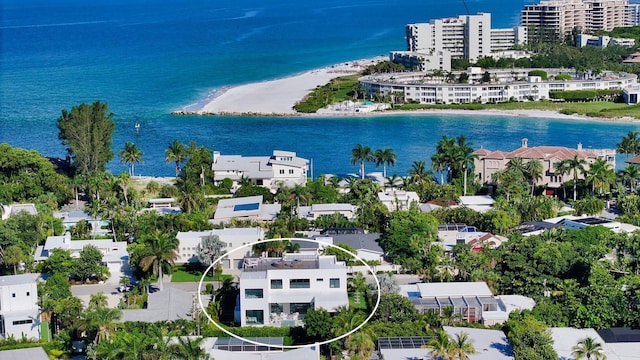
(375, 308)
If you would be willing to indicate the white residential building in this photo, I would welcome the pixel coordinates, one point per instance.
(7, 210)
(395, 199)
(279, 291)
(314, 211)
(422, 60)
(471, 301)
(245, 208)
(557, 18)
(634, 14)
(281, 168)
(603, 41)
(232, 238)
(19, 311)
(511, 85)
(466, 36)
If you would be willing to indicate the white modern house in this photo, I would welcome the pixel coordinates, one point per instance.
(7, 210)
(245, 208)
(114, 254)
(471, 301)
(314, 211)
(232, 238)
(395, 199)
(279, 291)
(19, 311)
(281, 168)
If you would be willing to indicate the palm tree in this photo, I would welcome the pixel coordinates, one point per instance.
(461, 346)
(418, 172)
(101, 319)
(130, 154)
(361, 154)
(575, 165)
(13, 255)
(188, 348)
(466, 158)
(587, 348)
(442, 160)
(162, 248)
(385, 157)
(630, 144)
(631, 174)
(360, 345)
(534, 169)
(123, 182)
(176, 152)
(440, 346)
(392, 181)
(600, 173)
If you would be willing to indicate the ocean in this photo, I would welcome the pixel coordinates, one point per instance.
(147, 58)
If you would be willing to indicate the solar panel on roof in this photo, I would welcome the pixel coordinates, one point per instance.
(407, 342)
(246, 207)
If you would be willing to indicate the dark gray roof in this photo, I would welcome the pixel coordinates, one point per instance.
(360, 241)
(530, 226)
(166, 305)
(619, 335)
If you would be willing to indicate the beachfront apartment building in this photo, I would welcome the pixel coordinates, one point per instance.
(279, 291)
(634, 14)
(506, 85)
(583, 40)
(282, 168)
(190, 243)
(488, 162)
(422, 60)
(555, 19)
(19, 311)
(464, 37)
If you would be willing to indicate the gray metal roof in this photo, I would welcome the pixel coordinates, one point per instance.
(360, 241)
(17, 279)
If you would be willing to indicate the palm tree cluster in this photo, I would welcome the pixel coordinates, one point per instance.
(152, 344)
(130, 154)
(455, 157)
(518, 175)
(361, 154)
(445, 347)
(629, 145)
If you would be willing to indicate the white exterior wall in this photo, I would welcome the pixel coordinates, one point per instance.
(634, 14)
(478, 35)
(18, 303)
(232, 237)
(422, 61)
(430, 93)
(319, 289)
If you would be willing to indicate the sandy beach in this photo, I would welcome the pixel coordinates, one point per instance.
(277, 97)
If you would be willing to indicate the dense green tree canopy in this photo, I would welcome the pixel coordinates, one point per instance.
(25, 175)
(420, 227)
(87, 132)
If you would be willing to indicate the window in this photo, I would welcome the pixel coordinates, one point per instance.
(319, 279)
(281, 171)
(299, 283)
(334, 283)
(253, 294)
(300, 308)
(290, 171)
(22, 322)
(276, 284)
(27, 293)
(276, 308)
(255, 317)
(13, 295)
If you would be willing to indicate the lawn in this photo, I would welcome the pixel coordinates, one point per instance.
(603, 109)
(357, 301)
(44, 331)
(194, 276)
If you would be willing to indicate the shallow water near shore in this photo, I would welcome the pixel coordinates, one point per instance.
(146, 59)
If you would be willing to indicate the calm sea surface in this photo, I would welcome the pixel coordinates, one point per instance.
(146, 58)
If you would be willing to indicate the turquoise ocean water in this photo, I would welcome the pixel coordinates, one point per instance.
(147, 58)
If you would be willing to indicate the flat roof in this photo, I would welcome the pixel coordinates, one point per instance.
(489, 344)
(454, 289)
(17, 279)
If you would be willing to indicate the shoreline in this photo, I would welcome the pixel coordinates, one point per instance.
(277, 98)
